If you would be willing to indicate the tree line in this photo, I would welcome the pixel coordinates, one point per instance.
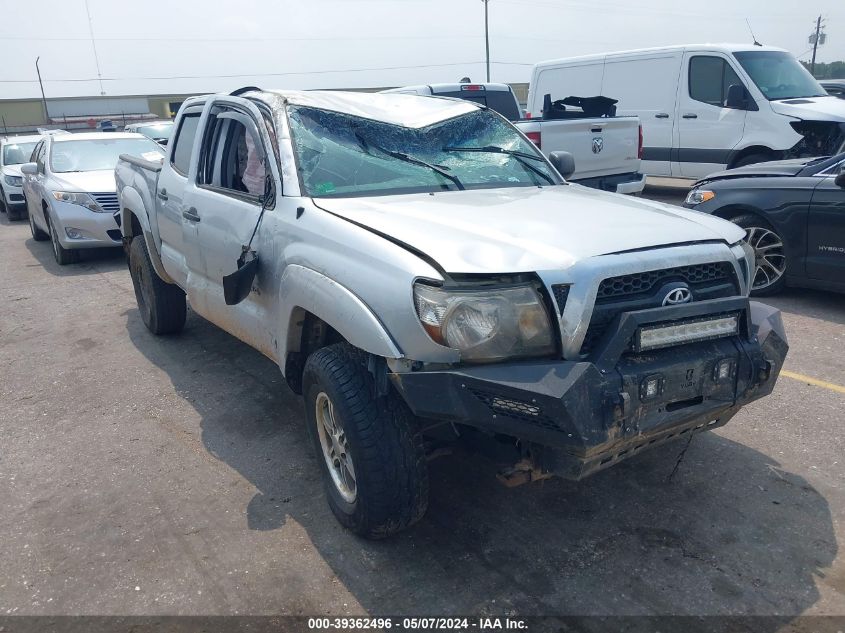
(833, 70)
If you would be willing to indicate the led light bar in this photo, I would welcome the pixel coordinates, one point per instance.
(660, 336)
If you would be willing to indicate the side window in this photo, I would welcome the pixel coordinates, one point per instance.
(233, 158)
(33, 158)
(709, 79)
(183, 143)
(38, 154)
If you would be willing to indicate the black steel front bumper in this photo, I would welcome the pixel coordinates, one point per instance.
(578, 417)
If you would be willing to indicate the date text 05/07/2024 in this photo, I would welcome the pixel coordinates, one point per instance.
(421, 623)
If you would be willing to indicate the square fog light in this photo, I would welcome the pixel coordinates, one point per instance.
(724, 370)
(651, 387)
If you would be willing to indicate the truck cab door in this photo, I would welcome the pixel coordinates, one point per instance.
(220, 214)
(707, 130)
(826, 229)
(173, 183)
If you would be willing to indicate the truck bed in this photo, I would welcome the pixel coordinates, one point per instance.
(605, 146)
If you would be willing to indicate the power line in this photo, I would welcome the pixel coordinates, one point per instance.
(238, 39)
(238, 75)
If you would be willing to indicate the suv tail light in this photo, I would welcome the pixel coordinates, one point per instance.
(534, 137)
(640, 146)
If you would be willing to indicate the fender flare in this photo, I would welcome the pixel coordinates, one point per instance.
(131, 206)
(304, 289)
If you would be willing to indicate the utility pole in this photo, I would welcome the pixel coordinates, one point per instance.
(486, 39)
(816, 45)
(94, 47)
(43, 98)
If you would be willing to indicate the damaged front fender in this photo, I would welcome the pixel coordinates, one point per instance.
(820, 138)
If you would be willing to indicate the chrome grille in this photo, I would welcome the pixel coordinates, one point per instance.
(107, 201)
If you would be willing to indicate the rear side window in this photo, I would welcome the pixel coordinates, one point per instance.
(501, 101)
(183, 144)
(709, 79)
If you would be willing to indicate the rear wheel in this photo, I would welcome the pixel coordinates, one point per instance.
(369, 446)
(63, 255)
(162, 305)
(769, 275)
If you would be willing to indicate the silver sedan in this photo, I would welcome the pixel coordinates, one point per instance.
(70, 189)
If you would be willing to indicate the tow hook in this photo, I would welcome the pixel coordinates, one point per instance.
(523, 472)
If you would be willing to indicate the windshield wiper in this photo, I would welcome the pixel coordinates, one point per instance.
(522, 157)
(411, 159)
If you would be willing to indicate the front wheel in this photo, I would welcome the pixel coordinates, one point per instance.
(752, 159)
(369, 446)
(162, 305)
(769, 276)
(64, 256)
(37, 234)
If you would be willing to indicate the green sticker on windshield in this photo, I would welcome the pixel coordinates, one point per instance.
(325, 187)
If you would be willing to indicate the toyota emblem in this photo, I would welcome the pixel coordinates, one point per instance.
(677, 296)
(598, 144)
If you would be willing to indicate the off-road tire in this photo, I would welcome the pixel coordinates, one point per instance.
(64, 256)
(162, 305)
(383, 440)
(749, 220)
(37, 234)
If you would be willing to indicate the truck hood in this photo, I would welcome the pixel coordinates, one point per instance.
(100, 181)
(527, 229)
(827, 108)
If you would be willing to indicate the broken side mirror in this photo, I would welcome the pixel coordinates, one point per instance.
(564, 162)
(238, 285)
(29, 169)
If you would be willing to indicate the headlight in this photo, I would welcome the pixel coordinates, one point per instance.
(486, 325)
(699, 196)
(13, 181)
(82, 199)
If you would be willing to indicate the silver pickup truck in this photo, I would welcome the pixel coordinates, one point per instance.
(424, 276)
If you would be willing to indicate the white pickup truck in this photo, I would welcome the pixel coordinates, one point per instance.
(423, 276)
(607, 149)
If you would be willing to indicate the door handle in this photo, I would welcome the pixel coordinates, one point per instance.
(690, 116)
(163, 194)
(661, 115)
(191, 215)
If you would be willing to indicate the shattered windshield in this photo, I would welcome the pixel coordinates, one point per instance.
(342, 155)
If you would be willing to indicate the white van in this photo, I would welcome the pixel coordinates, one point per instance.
(704, 108)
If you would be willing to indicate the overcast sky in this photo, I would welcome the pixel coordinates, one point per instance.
(194, 46)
